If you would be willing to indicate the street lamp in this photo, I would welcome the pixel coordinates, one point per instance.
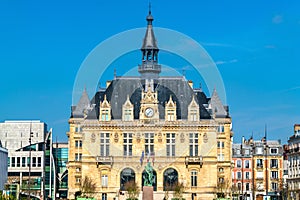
(29, 187)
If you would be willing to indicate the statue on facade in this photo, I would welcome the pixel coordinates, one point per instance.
(148, 175)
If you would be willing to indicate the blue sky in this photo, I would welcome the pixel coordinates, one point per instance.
(255, 45)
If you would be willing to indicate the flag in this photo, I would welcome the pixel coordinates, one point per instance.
(148, 156)
(142, 158)
(153, 158)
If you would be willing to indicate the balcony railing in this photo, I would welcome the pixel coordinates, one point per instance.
(193, 160)
(104, 160)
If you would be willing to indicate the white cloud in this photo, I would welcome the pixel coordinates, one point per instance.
(221, 62)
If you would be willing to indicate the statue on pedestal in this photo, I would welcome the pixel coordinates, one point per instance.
(148, 176)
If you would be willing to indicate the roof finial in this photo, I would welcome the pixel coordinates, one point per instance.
(149, 7)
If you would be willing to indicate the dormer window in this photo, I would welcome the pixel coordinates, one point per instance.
(194, 114)
(170, 110)
(127, 110)
(105, 114)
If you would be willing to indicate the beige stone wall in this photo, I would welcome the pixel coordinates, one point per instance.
(90, 136)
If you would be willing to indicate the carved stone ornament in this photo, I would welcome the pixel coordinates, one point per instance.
(138, 137)
(182, 137)
(93, 138)
(159, 137)
(205, 138)
(116, 137)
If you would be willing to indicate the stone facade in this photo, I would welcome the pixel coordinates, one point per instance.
(162, 120)
(293, 164)
(265, 171)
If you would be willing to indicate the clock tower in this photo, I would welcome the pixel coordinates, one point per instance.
(149, 103)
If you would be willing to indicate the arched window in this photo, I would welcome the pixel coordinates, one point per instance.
(170, 179)
(154, 179)
(127, 175)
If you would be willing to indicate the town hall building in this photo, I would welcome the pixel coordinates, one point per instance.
(185, 135)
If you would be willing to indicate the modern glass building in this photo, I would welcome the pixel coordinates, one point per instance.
(60, 154)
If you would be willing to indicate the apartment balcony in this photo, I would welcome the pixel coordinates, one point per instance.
(193, 160)
(104, 160)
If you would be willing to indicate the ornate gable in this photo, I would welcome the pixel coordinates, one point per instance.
(127, 110)
(193, 112)
(105, 110)
(170, 110)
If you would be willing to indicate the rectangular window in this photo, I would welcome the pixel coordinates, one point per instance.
(78, 156)
(18, 162)
(247, 186)
(28, 161)
(274, 186)
(105, 114)
(104, 144)
(259, 163)
(193, 144)
(127, 114)
(23, 162)
(104, 196)
(8, 162)
(274, 163)
(193, 114)
(39, 162)
(239, 164)
(149, 143)
(274, 150)
(247, 164)
(170, 144)
(247, 175)
(127, 144)
(170, 115)
(34, 162)
(274, 174)
(239, 186)
(78, 143)
(221, 144)
(221, 129)
(194, 178)
(104, 180)
(239, 175)
(78, 129)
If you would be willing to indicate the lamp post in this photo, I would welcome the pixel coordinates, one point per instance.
(29, 186)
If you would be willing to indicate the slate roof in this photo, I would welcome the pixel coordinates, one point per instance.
(119, 88)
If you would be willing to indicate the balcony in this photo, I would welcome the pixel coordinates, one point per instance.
(193, 160)
(104, 160)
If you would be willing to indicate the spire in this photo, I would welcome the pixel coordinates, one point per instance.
(149, 68)
(149, 39)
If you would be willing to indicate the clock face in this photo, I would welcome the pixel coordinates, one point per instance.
(149, 112)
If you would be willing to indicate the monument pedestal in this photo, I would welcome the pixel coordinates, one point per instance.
(147, 192)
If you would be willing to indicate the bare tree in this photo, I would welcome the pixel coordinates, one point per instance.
(88, 187)
(132, 189)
